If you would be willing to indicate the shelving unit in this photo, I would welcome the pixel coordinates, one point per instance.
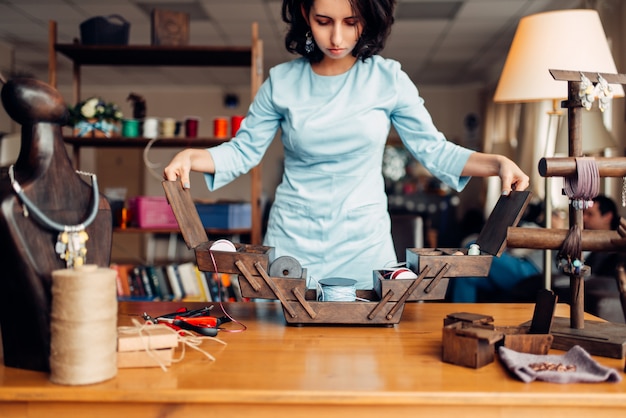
(147, 55)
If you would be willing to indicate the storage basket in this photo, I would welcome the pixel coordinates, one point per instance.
(105, 30)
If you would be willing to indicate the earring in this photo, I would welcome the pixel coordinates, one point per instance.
(586, 92)
(309, 46)
(604, 93)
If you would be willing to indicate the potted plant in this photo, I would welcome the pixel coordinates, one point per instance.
(95, 117)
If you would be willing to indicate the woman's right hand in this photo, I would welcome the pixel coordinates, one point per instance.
(188, 160)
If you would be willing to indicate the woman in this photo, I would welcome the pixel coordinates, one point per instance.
(334, 106)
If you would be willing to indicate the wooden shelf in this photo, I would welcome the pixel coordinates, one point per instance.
(147, 55)
(175, 56)
(123, 142)
(210, 231)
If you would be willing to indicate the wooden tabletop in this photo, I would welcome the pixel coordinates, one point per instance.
(272, 369)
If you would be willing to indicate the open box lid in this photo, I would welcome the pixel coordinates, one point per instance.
(507, 212)
(186, 214)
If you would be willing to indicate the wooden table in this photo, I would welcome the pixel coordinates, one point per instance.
(273, 370)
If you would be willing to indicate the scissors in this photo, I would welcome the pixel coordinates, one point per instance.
(197, 320)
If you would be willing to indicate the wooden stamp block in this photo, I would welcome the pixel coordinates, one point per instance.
(470, 346)
(471, 340)
(170, 28)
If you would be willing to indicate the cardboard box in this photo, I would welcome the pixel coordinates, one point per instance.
(231, 215)
(152, 212)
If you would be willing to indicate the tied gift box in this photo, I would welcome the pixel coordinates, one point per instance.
(148, 346)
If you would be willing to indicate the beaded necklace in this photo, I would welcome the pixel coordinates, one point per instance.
(71, 239)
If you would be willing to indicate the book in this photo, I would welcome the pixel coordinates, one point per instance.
(174, 279)
(142, 282)
(164, 283)
(153, 281)
(204, 286)
(189, 281)
(214, 288)
(123, 286)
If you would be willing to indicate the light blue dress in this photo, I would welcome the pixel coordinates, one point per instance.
(330, 210)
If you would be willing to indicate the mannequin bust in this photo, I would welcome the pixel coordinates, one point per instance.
(47, 179)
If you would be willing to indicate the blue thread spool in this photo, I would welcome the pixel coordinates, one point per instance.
(337, 289)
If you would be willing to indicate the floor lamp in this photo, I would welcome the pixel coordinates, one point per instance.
(565, 40)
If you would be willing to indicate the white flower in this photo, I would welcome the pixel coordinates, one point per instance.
(89, 108)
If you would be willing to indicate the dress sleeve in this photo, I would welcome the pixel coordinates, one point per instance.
(246, 149)
(443, 159)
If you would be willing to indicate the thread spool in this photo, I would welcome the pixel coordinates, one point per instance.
(287, 267)
(220, 128)
(151, 128)
(83, 326)
(191, 126)
(130, 128)
(235, 123)
(168, 127)
(474, 249)
(223, 245)
(337, 289)
(402, 273)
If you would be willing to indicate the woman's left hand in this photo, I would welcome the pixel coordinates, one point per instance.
(487, 165)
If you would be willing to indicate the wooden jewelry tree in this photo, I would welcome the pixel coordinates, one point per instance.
(601, 338)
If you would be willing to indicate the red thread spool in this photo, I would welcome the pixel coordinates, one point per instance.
(191, 127)
(403, 273)
(235, 123)
(220, 128)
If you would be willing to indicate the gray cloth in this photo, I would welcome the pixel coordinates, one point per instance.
(587, 369)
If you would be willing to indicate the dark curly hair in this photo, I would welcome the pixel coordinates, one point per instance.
(376, 17)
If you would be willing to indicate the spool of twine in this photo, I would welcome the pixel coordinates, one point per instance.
(83, 340)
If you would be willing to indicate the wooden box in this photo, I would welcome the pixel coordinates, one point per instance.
(471, 340)
(469, 345)
(170, 28)
(474, 345)
(252, 263)
(432, 288)
(439, 263)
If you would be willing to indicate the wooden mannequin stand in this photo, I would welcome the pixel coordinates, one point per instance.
(601, 338)
(46, 177)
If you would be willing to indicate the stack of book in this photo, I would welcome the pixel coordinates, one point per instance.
(150, 346)
(175, 282)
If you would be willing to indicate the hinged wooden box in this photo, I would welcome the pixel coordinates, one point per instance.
(252, 264)
(437, 265)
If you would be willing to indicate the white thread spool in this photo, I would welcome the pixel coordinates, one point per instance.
(151, 127)
(83, 327)
(474, 249)
(337, 289)
(223, 245)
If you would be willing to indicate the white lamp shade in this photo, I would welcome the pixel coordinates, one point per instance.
(572, 40)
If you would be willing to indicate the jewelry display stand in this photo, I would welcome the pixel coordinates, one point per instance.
(43, 175)
(600, 338)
